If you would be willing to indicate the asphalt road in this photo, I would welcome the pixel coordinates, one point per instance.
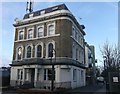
(91, 89)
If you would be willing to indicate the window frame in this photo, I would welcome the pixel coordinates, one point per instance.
(21, 30)
(18, 53)
(38, 74)
(28, 33)
(21, 53)
(47, 76)
(49, 49)
(36, 49)
(74, 74)
(48, 34)
(19, 74)
(73, 31)
(76, 54)
(41, 26)
(39, 51)
(26, 51)
(53, 42)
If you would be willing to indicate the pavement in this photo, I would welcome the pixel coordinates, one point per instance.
(90, 89)
(101, 90)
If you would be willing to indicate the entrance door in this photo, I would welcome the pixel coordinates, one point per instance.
(32, 76)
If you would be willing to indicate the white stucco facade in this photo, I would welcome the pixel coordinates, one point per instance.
(64, 76)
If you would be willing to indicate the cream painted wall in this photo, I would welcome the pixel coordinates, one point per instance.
(13, 75)
(65, 75)
(80, 81)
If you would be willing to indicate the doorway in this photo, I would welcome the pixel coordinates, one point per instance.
(32, 76)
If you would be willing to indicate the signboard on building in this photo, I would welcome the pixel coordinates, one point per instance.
(115, 79)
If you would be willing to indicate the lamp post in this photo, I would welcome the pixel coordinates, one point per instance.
(104, 60)
(53, 73)
(105, 71)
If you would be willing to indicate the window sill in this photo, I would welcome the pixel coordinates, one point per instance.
(55, 35)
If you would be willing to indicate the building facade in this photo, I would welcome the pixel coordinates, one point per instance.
(38, 33)
(90, 63)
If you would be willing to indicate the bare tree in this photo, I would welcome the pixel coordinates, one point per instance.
(111, 54)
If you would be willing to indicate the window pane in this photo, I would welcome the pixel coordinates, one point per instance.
(21, 34)
(73, 31)
(44, 74)
(76, 35)
(74, 75)
(28, 52)
(18, 72)
(21, 75)
(50, 74)
(38, 75)
(50, 50)
(39, 51)
(30, 33)
(51, 30)
(49, 71)
(19, 53)
(76, 54)
(40, 32)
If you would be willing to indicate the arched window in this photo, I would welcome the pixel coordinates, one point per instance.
(21, 35)
(73, 32)
(76, 54)
(51, 30)
(50, 50)
(19, 53)
(39, 51)
(40, 32)
(30, 33)
(29, 51)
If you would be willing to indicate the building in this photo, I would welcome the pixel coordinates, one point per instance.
(4, 76)
(90, 63)
(36, 35)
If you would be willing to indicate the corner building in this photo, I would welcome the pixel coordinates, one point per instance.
(35, 35)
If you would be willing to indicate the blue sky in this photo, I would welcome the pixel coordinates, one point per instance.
(99, 18)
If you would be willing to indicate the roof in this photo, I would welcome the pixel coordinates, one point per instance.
(47, 10)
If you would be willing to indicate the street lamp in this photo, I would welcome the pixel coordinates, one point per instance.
(105, 71)
(104, 60)
(52, 80)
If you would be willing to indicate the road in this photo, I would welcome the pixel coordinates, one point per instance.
(91, 89)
